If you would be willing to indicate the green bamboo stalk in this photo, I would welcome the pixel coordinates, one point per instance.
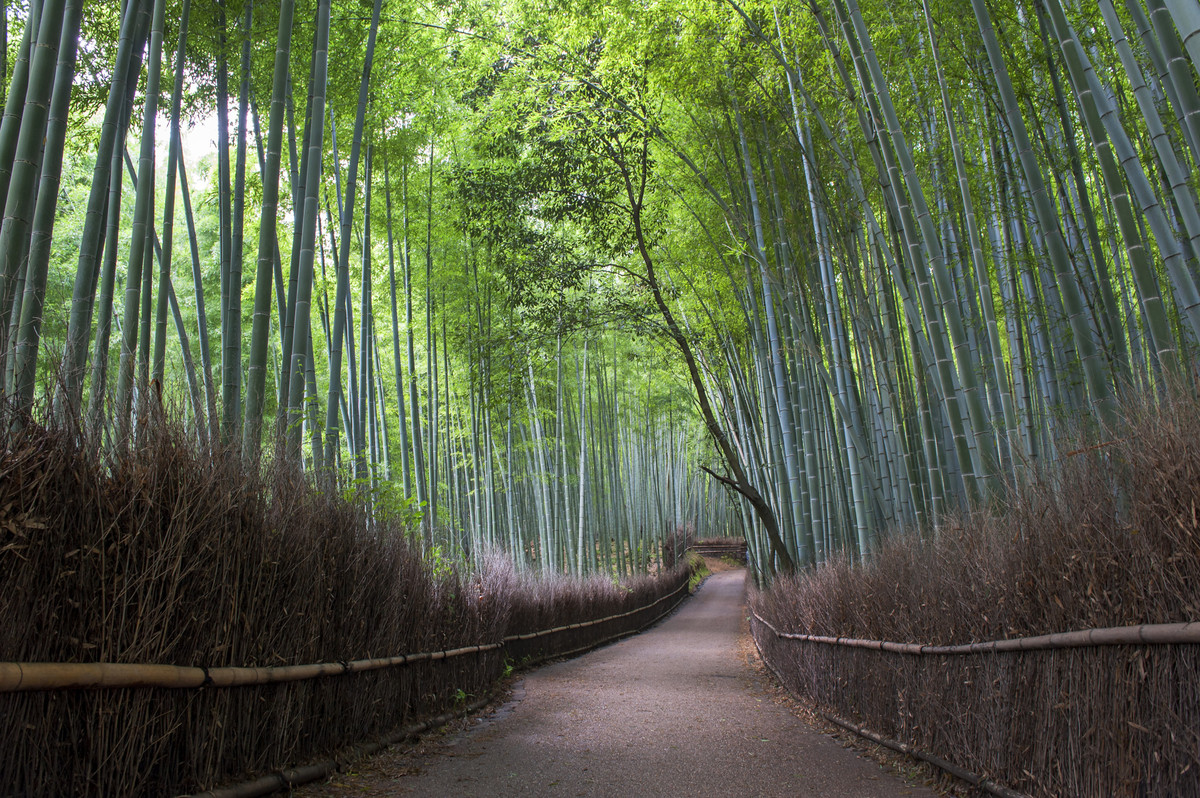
(983, 277)
(267, 237)
(784, 419)
(141, 232)
(431, 372)
(1095, 103)
(581, 380)
(14, 102)
(210, 391)
(1162, 73)
(1098, 383)
(347, 218)
(195, 393)
(22, 185)
(1181, 74)
(29, 333)
(365, 321)
(231, 322)
(980, 454)
(298, 174)
(232, 378)
(174, 147)
(1090, 250)
(414, 403)
(304, 270)
(1139, 256)
(92, 237)
(399, 367)
(99, 376)
(1175, 174)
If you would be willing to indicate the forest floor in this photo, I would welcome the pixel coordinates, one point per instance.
(684, 709)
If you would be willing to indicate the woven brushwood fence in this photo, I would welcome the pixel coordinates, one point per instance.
(228, 721)
(1106, 712)
(179, 599)
(1106, 539)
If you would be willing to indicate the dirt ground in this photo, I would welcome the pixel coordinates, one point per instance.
(685, 709)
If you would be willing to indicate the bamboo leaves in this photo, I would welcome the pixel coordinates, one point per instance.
(889, 249)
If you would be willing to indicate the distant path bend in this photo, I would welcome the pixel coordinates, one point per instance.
(670, 712)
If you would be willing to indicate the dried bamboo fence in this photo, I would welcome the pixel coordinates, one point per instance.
(1099, 712)
(30, 676)
(292, 777)
(180, 557)
(526, 647)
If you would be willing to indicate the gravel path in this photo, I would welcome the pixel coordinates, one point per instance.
(675, 711)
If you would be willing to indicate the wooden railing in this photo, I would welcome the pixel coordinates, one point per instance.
(733, 548)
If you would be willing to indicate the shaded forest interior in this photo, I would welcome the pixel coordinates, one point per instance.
(563, 286)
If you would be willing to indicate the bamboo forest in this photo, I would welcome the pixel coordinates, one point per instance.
(526, 297)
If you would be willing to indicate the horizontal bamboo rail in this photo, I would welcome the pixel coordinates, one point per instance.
(1143, 635)
(735, 548)
(987, 785)
(30, 676)
(585, 624)
(26, 676)
(618, 635)
(294, 777)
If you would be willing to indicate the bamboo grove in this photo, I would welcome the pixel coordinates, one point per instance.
(1008, 247)
(564, 278)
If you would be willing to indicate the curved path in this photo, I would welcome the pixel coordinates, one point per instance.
(669, 712)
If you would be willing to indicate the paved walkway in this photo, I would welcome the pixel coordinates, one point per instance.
(670, 712)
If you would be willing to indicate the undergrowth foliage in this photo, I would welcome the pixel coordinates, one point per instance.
(1111, 538)
(170, 554)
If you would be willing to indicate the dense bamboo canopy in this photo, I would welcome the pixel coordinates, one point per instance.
(564, 278)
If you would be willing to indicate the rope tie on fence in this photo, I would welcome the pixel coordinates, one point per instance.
(1144, 635)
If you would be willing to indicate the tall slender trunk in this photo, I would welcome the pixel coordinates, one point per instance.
(399, 367)
(140, 242)
(260, 333)
(347, 219)
(304, 266)
(29, 330)
(134, 26)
